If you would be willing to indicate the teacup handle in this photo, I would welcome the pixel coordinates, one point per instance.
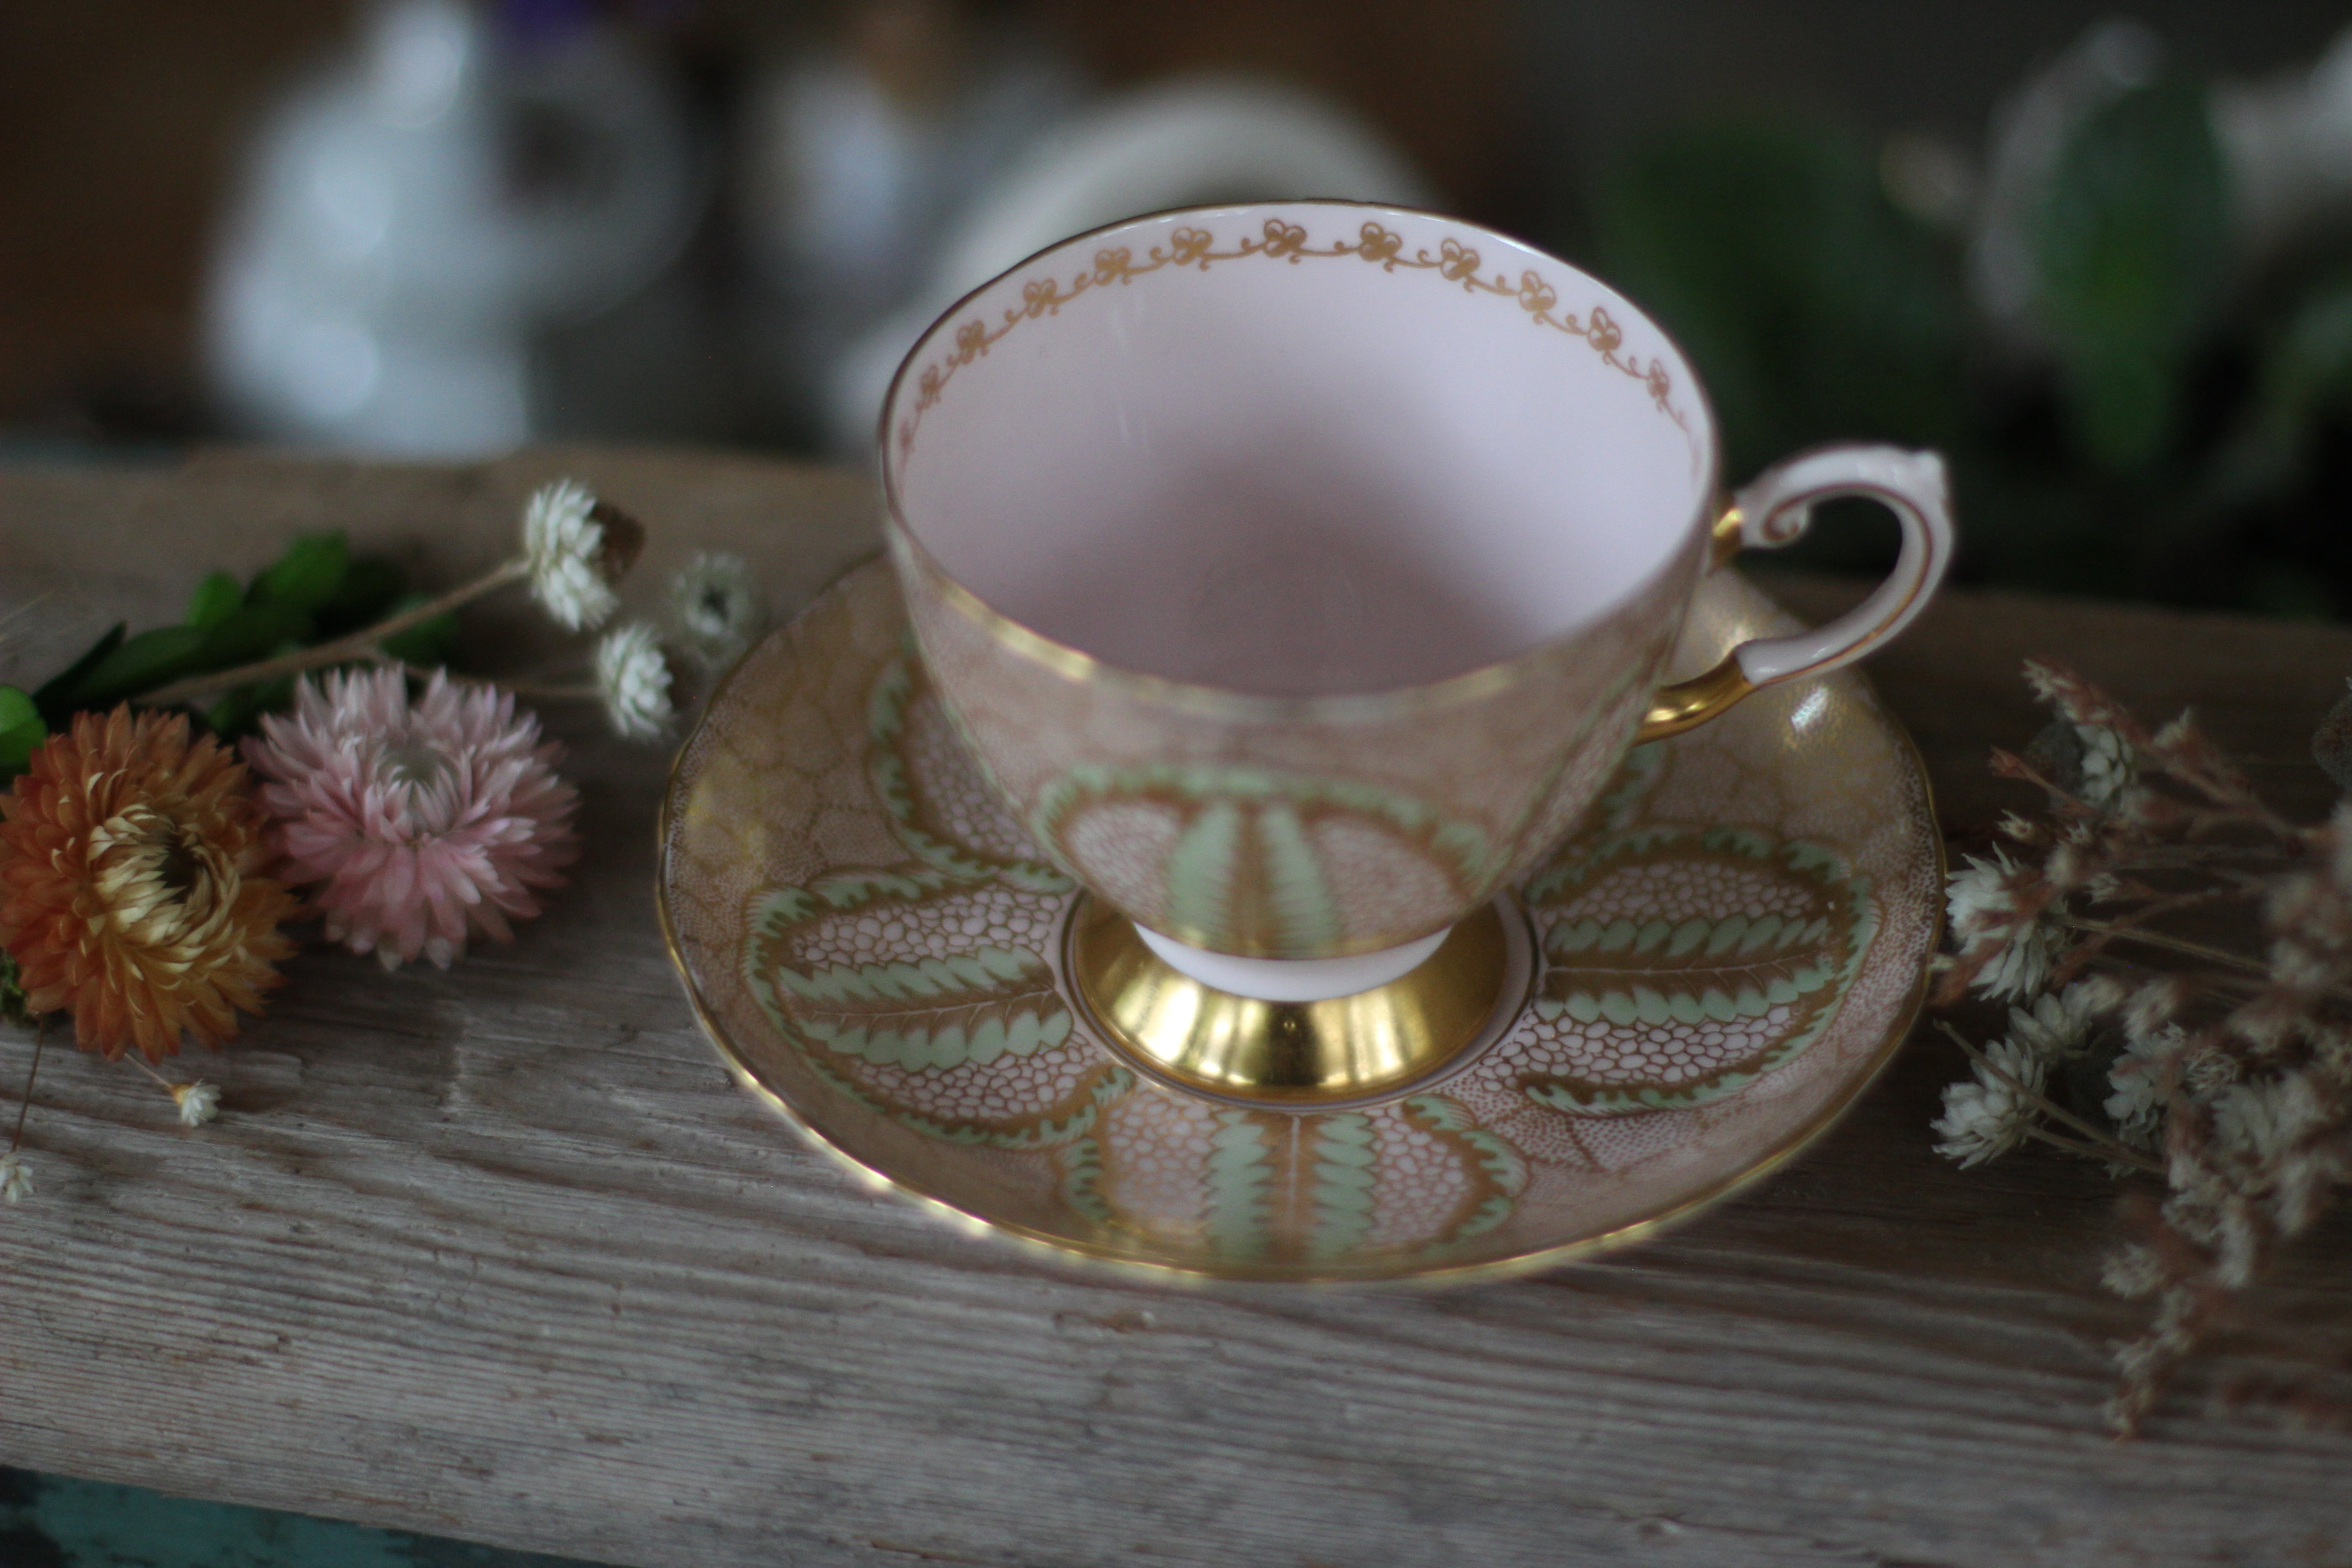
(1776, 510)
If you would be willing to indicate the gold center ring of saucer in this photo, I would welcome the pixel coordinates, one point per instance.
(1300, 1054)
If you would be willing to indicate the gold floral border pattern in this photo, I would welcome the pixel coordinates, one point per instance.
(1374, 243)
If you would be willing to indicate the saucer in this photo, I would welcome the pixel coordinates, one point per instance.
(1725, 954)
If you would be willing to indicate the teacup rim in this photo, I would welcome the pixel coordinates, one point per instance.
(1476, 684)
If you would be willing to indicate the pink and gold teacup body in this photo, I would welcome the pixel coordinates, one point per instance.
(1299, 572)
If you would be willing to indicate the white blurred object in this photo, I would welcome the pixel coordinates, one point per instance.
(2030, 132)
(409, 220)
(857, 157)
(1184, 143)
(2287, 143)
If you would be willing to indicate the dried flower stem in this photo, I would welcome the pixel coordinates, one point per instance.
(32, 1075)
(359, 645)
(142, 1065)
(2187, 949)
(2088, 1150)
(2104, 1144)
(2181, 945)
(537, 691)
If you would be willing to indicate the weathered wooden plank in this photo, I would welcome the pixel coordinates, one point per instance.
(500, 1253)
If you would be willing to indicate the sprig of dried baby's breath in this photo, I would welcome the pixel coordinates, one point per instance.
(2227, 1070)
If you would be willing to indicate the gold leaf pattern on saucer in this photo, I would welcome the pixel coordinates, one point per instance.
(1729, 947)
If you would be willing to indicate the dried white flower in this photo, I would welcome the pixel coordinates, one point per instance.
(2153, 1008)
(2064, 867)
(2090, 761)
(634, 680)
(564, 548)
(2273, 1125)
(15, 1178)
(2109, 765)
(2053, 686)
(1987, 1116)
(199, 1102)
(2057, 1024)
(2238, 1243)
(2136, 1105)
(1981, 905)
(718, 609)
(1977, 897)
(2307, 915)
(2021, 965)
(2023, 829)
(2265, 1121)
(2266, 1024)
(2209, 1070)
(2101, 993)
(2141, 1364)
(2133, 1270)
(2197, 1187)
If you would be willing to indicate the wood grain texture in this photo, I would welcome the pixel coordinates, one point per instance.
(501, 1254)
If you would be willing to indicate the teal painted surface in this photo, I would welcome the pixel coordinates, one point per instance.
(48, 1522)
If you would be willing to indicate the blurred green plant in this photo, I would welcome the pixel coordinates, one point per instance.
(2181, 432)
(2130, 245)
(1811, 306)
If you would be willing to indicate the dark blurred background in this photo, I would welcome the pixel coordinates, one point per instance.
(2102, 260)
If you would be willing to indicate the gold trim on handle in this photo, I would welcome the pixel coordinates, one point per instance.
(1688, 704)
(1726, 536)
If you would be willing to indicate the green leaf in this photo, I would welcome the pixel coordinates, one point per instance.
(21, 731)
(141, 664)
(15, 708)
(15, 1007)
(238, 713)
(2131, 246)
(253, 631)
(215, 600)
(54, 699)
(308, 575)
(371, 586)
(429, 642)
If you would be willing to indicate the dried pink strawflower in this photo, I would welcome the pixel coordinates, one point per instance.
(420, 822)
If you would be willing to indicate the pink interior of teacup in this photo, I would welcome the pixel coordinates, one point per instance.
(1300, 449)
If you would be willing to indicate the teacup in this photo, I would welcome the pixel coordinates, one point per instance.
(1300, 571)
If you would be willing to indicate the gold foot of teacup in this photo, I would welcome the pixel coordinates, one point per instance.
(1320, 1054)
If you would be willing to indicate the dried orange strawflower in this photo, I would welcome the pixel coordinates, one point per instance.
(126, 891)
